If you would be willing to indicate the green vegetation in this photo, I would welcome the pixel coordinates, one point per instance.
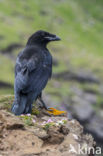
(79, 23)
(27, 120)
(6, 102)
(7, 69)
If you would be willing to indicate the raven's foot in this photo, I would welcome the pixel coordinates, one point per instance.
(51, 111)
(43, 104)
(56, 112)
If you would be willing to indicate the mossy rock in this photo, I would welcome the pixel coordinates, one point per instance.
(6, 102)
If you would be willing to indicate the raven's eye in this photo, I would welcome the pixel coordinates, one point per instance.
(43, 34)
(46, 33)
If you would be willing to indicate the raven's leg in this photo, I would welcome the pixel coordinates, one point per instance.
(41, 100)
(51, 111)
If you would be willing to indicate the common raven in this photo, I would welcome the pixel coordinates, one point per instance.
(32, 70)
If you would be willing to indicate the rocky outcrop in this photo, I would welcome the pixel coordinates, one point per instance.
(30, 135)
(83, 108)
(79, 76)
(84, 100)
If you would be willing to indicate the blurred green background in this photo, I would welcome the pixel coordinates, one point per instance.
(79, 23)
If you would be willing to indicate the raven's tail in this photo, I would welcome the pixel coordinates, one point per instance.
(18, 108)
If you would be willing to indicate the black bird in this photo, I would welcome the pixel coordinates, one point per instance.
(32, 71)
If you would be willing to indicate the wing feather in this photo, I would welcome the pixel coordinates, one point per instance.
(30, 73)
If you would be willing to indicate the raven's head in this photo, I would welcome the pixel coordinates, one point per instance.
(42, 37)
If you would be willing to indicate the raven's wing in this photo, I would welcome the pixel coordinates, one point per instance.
(26, 63)
(27, 59)
(31, 73)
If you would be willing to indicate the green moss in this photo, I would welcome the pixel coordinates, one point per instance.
(6, 102)
(64, 121)
(99, 104)
(27, 120)
(48, 125)
(35, 111)
(90, 88)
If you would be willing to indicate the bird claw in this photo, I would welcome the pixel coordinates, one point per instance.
(55, 112)
(49, 109)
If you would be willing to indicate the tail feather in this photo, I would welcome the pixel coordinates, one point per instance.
(18, 108)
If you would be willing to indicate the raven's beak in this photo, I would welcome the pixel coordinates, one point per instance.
(57, 38)
(53, 38)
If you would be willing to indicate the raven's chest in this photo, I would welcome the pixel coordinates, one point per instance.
(47, 59)
(47, 62)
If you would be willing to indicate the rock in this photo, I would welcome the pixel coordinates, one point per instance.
(63, 129)
(6, 102)
(11, 47)
(42, 134)
(79, 76)
(82, 110)
(55, 135)
(86, 96)
(95, 126)
(47, 136)
(82, 105)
